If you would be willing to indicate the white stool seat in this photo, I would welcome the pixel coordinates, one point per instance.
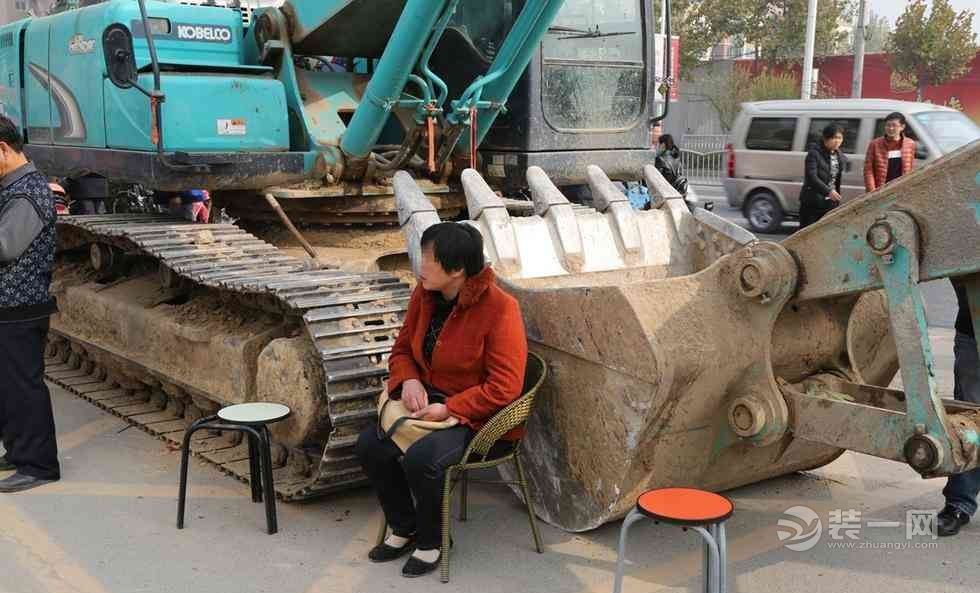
(254, 413)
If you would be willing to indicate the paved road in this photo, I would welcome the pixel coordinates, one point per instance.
(108, 527)
(939, 296)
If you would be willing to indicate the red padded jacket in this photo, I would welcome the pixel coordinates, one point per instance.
(479, 358)
(876, 160)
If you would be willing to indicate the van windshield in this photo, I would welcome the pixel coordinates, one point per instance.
(950, 130)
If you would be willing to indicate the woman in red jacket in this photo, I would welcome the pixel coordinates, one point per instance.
(463, 337)
(890, 156)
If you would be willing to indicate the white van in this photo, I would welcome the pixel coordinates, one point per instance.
(769, 140)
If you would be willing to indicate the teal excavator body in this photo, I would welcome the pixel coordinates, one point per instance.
(174, 96)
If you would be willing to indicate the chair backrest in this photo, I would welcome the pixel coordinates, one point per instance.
(515, 413)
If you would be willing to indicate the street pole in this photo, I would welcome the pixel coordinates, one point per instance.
(663, 18)
(858, 75)
(811, 33)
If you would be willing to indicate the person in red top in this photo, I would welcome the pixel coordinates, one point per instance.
(890, 156)
(463, 337)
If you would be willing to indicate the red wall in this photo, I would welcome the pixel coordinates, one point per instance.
(835, 76)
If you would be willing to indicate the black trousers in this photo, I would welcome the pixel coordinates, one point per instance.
(419, 472)
(26, 418)
(813, 208)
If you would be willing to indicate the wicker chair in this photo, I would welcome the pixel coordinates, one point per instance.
(501, 423)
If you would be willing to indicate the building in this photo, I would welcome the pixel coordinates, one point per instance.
(12, 10)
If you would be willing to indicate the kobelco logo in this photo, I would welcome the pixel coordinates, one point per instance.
(204, 33)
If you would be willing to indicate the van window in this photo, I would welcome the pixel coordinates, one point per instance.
(771, 133)
(851, 129)
(921, 152)
(949, 129)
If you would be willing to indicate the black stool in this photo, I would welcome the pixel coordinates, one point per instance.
(252, 419)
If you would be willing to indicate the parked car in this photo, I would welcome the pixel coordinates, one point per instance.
(769, 140)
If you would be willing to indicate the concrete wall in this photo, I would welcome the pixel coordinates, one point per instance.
(691, 113)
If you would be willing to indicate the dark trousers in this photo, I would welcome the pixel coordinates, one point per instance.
(961, 489)
(811, 213)
(419, 472)
(26, 418)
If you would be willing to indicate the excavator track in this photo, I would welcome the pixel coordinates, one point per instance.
(351, 320)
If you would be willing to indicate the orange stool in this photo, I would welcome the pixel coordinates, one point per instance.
(704, 512)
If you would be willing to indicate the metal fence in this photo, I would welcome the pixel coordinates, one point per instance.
(703, 142)
(703, 157)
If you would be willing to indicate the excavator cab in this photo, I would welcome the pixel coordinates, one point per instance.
(589, 91)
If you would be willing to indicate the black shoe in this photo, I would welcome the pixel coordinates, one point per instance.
(949, 521)
(416, 568)
(6, 466)
(19, 482)
(385, 553)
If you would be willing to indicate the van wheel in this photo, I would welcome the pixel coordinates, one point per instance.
(764, 213)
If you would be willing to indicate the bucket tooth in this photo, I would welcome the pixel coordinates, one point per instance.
(660, 189)
(725, 228)
(554, 207)
(609, 200)
(415, 214)
(490, 216)
(479, 196)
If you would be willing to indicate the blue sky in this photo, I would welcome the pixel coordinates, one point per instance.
(891, 9)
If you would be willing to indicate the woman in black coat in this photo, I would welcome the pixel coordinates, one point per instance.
(825, 165)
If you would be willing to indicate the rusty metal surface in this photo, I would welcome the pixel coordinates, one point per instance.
(348, 322)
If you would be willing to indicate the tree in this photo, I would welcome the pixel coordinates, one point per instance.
(696, 33)
(877, 32)
(776, 28)
(780, 31)
(727, 87)
(932, 50)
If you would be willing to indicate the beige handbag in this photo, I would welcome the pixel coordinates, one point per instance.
(395, 422)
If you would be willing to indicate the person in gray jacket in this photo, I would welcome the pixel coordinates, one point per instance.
(27, 245)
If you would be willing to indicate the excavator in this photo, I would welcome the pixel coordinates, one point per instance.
(681, 350)
(293, 117)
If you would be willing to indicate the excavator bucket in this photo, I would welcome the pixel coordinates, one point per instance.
(679, 351)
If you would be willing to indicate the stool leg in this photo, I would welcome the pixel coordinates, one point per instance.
(712, 575)
(254, 468)
(722, 557)
(631, 518)
(185, 452)
(706, 565)
(270, 493)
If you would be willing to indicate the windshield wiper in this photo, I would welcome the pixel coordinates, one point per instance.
(558, 29)
(596, 34)
(585, 33)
